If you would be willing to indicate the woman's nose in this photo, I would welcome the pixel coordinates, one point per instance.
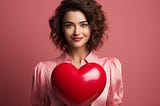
(77, 30)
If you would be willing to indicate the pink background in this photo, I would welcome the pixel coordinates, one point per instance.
(134, 39)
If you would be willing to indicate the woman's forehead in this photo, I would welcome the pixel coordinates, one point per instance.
(74, 16)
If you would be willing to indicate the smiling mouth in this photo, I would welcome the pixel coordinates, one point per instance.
(77, 39)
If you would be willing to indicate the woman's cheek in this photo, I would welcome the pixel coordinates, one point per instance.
(69, 32)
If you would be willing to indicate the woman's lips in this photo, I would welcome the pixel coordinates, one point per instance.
(77, 39)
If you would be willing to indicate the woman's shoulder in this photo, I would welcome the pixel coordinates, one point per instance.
(46, 64)
(50, 64)
(111, 61)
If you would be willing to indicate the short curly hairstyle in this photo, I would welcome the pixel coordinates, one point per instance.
(95, 18)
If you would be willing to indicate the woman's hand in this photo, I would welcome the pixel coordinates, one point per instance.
(92, 104)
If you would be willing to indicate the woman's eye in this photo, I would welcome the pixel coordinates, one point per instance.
(68, 25)
(84, 25)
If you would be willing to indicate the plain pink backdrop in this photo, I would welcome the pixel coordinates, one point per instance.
(134, 37)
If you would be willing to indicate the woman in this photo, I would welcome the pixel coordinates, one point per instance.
(77, 29)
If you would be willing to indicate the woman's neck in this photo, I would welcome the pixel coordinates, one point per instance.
(77, 55)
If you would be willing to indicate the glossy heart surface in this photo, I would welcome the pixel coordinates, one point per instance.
(78, 87)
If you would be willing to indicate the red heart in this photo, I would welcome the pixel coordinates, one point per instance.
(78, 87)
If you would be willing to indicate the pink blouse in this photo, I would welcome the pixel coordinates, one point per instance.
(43, 94)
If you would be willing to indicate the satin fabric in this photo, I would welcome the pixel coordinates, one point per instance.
(42, 93)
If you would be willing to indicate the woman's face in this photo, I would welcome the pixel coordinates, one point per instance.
(76, 29)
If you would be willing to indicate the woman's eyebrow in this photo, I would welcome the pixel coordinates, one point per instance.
(66, 22)
(83, 22)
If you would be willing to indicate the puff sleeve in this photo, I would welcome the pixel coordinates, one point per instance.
(116, 84)
(39, 92)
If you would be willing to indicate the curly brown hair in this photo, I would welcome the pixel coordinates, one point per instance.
(95, 18)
